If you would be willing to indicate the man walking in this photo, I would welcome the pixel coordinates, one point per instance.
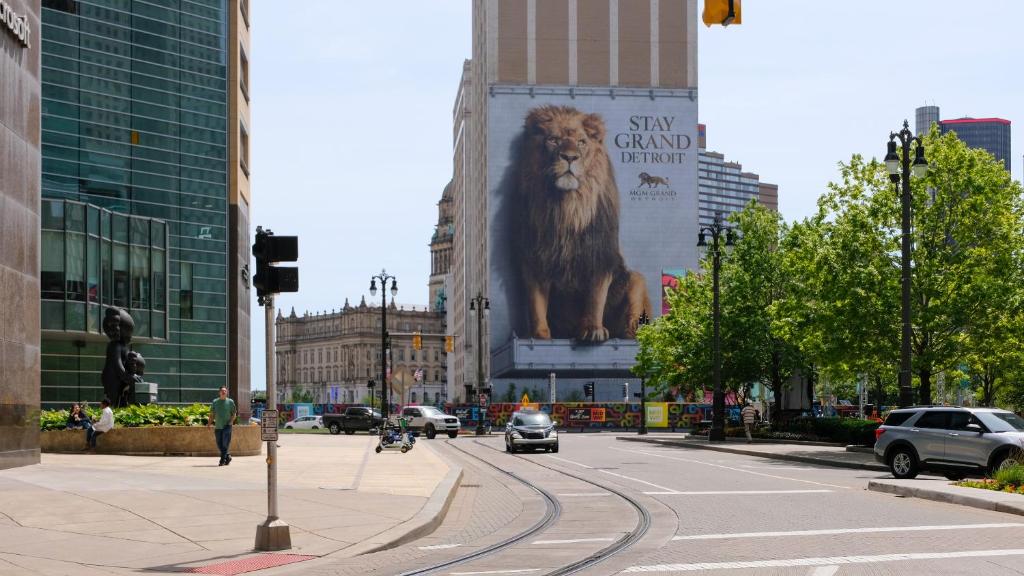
(222, 415)
(749, 415)
(104, 425)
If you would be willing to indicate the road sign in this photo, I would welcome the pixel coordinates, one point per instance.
(268, 426)
(483, 400)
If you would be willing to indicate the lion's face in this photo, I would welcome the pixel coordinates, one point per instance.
(567, 142)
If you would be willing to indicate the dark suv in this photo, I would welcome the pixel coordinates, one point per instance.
(950, 440)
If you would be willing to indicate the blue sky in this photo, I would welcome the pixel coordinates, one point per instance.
(352, 101)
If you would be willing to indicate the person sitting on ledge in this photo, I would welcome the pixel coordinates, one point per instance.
(78, 419)
(104, 425)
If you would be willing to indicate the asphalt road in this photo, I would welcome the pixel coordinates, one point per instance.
(708, 513)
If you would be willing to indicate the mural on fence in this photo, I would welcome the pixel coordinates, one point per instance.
(568, 414)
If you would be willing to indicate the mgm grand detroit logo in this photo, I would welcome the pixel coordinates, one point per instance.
(650, 140)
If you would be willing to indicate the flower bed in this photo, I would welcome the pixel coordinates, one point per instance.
(1009, 480)
(156, 441)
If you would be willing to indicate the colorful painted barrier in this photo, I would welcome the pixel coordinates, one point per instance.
(568, 414)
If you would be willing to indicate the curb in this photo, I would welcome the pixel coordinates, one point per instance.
(770, 456)
(423, 523)
(950, 498)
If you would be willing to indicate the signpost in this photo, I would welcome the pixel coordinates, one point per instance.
(268, 426)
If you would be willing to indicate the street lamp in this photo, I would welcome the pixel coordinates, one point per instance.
(383, 277)
(644, 321)
(482, 306)
(899, 170)
(716, 230)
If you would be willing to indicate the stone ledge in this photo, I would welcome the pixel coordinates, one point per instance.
(943, 491)
(156, 441)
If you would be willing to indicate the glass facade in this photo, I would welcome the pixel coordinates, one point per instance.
(724, 187)
(134, 127)
(992, 134)
(85, 266)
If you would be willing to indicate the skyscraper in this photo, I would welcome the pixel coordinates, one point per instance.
(724, 186)
(19, 250)
(992, 134)
(138, 181)
(626, 70)
(924, 117)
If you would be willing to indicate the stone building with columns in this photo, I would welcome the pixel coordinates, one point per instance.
(330, 357)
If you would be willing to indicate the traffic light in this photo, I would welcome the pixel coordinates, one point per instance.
(625, 390)
(722, 12)
(588, 390)
(449, 344)
(268, 250)
(417, 341)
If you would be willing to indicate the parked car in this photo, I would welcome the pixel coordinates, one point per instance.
(305, 423)
(430, 421)
(355, 418)
(530, 429)
(956, 442)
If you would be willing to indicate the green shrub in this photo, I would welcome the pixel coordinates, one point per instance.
(841, 430)
(135, 416)
(1010, 476)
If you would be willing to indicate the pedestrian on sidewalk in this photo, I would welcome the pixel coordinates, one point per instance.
(222, 415)
(102, 426)
(749, 415)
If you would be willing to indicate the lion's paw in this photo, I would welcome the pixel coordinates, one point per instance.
(543, 333)
(594, 334)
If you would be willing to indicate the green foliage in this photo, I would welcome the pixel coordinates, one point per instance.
(1010, 476)
(841, 430)
(510, 394)
(574, 396)
(676, 351)
(301, 396)
(135, 416)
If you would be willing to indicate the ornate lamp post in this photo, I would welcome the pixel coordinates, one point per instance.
(482, 306)
(384, 277)
(644, 321)
(716, 230)
(899, 172)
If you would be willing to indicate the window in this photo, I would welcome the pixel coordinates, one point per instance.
(185, 291)
(935, 419)
(897, 418)
(412, 397)
(243, 147)
(52, 272)
(243, 72)
(243, 7)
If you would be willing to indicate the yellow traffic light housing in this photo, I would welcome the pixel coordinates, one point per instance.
(417, 342)
(722, 12)
(449, 344)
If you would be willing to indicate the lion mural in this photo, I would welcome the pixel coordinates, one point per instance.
(567, 232)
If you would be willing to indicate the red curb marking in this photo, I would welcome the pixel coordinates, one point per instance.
(250, 564)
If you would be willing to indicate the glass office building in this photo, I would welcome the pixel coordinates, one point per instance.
(992, 134)
(134, 181)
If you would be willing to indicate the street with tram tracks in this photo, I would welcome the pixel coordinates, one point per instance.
(606, 506)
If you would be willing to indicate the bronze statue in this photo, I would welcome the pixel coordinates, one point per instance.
(123, 367)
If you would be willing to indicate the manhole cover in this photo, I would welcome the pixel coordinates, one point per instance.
(469, 485)
(249, 564)
(607, 468)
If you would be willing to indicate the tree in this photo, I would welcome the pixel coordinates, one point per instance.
(966, 228)
(510, 394)
(676, 352)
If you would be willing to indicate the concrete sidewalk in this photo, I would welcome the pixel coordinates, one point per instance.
(101, 514)
(822, 455)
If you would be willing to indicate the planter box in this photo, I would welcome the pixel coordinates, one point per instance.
(156, 441)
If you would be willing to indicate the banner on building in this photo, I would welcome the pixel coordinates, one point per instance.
(592, 198)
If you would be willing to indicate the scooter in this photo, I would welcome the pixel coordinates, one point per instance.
(393, 436)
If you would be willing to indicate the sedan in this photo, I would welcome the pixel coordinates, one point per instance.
(305, 423)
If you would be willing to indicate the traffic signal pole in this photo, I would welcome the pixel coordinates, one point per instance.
(273, 533)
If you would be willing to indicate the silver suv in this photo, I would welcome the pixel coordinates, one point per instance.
(953, 441)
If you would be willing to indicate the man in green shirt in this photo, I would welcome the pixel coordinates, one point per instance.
(222, 415)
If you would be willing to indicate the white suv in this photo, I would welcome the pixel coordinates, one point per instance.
(430, 421)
